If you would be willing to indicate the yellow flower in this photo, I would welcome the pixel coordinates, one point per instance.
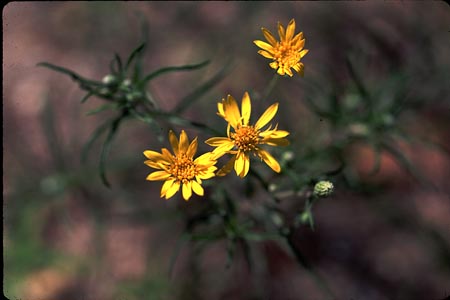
(246, 138)
(287, 52)
(180, 169)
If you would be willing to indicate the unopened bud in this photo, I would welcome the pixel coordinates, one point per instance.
(288, 156)
(109, 79)
(323, 189)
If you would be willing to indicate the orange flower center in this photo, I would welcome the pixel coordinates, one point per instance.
(183, 168)
(286, 55)
(246, 138)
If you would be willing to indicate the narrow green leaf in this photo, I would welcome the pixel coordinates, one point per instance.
(202, 89)
(107, 147)
(92, 139)
(259, 237)
(319, 111)
(51, 134)
(164, 70)
(357, 79)
(136, 52)
(175, 119)
(407, 165)
(86, 97)
(101, 108)
(231, 250)
(116, 62)
(185, 237)
(72, 74)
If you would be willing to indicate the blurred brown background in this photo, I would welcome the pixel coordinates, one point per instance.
(66, 236)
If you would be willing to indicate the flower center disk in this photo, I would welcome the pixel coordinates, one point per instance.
(286, 55)
(246, 138)
(183, 168)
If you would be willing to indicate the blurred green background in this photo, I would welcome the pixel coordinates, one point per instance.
(381, 236)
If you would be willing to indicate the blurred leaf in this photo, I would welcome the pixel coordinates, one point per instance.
(231, 250)
(86, 97)
(83, 81)
(101, 108)
(107, 146)
(164, 70)
(201, 90)
(407, 165)
(261, 236)
(51, 135)
(357, 78)
(136, 52)
(185, 237)
(92, 139)
(116, 63)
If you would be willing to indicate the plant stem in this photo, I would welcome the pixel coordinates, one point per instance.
(305, 264)
(270, 87)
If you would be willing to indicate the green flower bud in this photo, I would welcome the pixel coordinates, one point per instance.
(323, 189)
(109, 79)
(359, 129)
(126, 82)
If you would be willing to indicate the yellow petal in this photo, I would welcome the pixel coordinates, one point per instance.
(303, 52)
(269, 160)
(281, 71)
(301, 68)
(264, 46)
(221, 112)
(265, 54)
(167, 156)
(206, 159)
(206, 175)
(269, 37)
(266, 116)
(217, 141)
(281, 32)
(297, 38)
(246, 108)
(232, 112)
(288, 71)
(276, 142)
(223, 149)
(192, 148)
(274, 65)
(158, 175)
(227, 167)
(290, 30)
(172, 189)
(166, 186)
(187, 190)
(274, 134)
(246, 166)
(184, 142)
(152, 164)
(240, 164)
(197, 188)
(299, 45)
(173, 142)
(153, 155)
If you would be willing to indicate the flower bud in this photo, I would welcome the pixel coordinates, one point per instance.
(288, 156)
(323, 189)
(109, 79)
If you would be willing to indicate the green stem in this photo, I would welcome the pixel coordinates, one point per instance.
(309, 268)
(270, 87)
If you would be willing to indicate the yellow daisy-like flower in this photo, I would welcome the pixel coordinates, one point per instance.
(180, 169)
(287, 52)
(246, 138)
